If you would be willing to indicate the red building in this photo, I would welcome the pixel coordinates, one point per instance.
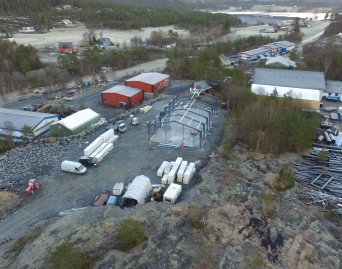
(122, 96)
(66, 47)
(149, 82)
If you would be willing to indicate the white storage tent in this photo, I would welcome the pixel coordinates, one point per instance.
(139, 189)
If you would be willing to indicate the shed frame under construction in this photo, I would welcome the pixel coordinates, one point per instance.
(183, 114)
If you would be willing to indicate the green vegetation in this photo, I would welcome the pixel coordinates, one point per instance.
(332, 215)
(196, 216)
(275, 125)
(27, 132)
(326, 58)
(66, 256)
(129, 234)
(204, 258)
(20, 243)
(106, 14)
(268, 203)
(285, 180)
(257, 262)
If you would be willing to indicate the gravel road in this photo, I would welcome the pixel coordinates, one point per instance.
(132, 155)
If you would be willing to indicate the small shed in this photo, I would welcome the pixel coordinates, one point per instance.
(122, 96)
(149, 82)
(75, 123)
(172, 193)
(138, 190)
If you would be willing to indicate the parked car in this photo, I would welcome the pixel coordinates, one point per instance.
(73, 167)
(29, 108)
(88, 161)
(101, 199)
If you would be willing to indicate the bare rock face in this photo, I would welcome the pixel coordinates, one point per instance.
(232, 231)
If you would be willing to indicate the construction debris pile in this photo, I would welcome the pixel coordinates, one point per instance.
(322, 172)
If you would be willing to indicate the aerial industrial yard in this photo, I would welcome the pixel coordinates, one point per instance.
(149, 137)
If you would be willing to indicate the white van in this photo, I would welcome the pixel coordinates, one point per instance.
(73, 167)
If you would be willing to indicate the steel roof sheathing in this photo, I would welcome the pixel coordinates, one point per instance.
(123, 90)
(289, 78)
(20, 117)
(149, 78)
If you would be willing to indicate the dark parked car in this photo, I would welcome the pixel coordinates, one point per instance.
(87, 161)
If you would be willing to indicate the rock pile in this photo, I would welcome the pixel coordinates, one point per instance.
(40, 159)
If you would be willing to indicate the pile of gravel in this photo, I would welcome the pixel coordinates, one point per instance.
(40, 159)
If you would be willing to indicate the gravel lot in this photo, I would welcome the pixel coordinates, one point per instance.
(132, 155)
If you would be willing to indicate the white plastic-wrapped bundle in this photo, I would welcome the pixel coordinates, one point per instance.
(93, 146)
(104, 152)
(168, 168)
(164, 179)
(189, 173)
(181, 171)
(113, 139)
(97, 151)
(108, 135)
(172, 175)
(161, 169)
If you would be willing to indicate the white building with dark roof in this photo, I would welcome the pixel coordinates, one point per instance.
(12, 122)
(305, 86)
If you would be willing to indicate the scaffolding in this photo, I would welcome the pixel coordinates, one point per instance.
(184, 122)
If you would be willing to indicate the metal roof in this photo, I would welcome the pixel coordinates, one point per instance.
(333, 86)
(123, 90)
(79, 118)
(257, 51)
(20, 117)
(290, 78)
(271, 45)
(285, 43)
(150, 78)
(280, 60)
(202, 85)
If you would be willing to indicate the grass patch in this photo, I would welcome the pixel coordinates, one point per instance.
(285, 180)
(19, 244)
(129, 234)
(332, 215)
(196, 216)
(66, 256)
(204, 258)
(226, 151)
(268, 203)
(257, 262)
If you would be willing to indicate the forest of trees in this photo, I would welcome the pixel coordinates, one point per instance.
(99, 13)
(15, 62)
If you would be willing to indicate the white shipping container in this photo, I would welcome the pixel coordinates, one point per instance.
(172, 193)
(118, 188)
(181, 171)
(97, 151)
(161, 169)
(189, 173)
(104, 152)
(93, 146)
